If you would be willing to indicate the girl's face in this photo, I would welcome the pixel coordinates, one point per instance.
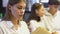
(18, 10)
(40, 12)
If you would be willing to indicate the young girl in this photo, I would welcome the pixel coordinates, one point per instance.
(13, 23)
(37, 18)
(37, 12)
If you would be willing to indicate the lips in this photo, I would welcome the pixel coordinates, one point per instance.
(20, 15)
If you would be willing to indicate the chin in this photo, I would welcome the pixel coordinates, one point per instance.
(20, 18)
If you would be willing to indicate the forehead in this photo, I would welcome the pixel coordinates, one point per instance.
(55, 5)
(22, 4)
(42, 7)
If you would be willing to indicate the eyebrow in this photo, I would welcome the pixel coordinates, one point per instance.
(20, 6)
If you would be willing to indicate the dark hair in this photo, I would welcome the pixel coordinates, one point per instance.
(33, 15)
(53, 2)
(8, 13)
(13, 2)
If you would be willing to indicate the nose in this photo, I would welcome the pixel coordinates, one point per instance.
(22, 11)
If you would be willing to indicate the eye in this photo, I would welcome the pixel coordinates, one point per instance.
(55, 7)
(19, 7)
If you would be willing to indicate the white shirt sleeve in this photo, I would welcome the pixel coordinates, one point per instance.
(1, 31)
(33, 25)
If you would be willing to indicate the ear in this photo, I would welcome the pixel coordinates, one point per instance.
(36, 11)
(9, 7)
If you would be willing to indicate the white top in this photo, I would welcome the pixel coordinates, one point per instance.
(52, 20)
(6, 27)
(57, 18)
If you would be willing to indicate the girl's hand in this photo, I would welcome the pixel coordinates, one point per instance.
(55, 33)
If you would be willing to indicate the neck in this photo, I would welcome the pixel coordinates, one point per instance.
(15, 22)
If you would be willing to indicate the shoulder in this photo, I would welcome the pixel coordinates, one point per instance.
(23, 23)
(47, 13)
(33, 22)
(2, 23)
(2, 27)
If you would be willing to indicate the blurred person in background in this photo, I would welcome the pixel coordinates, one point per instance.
(51, 14)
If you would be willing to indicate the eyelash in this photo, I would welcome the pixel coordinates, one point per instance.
(20, 8)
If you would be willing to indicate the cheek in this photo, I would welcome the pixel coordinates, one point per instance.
(41, 13)
(23, 11)
(14, 11)
(54, 9)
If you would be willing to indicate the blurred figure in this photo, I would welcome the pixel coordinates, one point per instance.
(51, 14)
(13, 23)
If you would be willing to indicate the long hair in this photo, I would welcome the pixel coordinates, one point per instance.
(33, 15)
(8, 13)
